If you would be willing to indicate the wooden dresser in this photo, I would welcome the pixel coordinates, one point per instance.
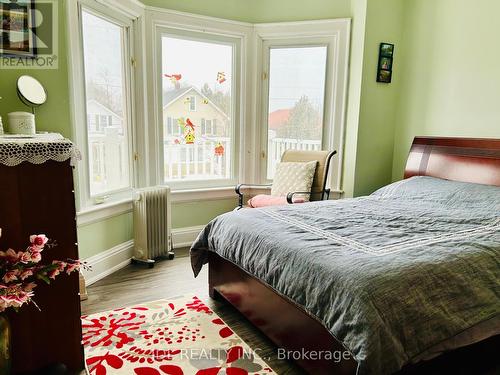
(39, 198)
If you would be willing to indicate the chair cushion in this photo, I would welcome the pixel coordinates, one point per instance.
(263, 200)
(293, 177)
(304, 156)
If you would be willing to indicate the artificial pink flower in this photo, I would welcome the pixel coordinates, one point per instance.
(9, 298)
(72, 267)
(52, 274)
(9, 255)
(10, 276)
(60, 265)
(38, 240)
(19, 266)
(25, 257)
(22, 298)
(26, 273)
(36, 256)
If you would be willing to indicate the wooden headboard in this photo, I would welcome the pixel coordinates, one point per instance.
(459, 159)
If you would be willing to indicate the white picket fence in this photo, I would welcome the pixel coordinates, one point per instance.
(199, 162)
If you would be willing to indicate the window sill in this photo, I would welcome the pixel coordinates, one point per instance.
(99, 212)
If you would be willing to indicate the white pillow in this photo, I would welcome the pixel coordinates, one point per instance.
(293, 177)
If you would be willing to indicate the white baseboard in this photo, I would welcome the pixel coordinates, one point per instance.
(184, 237)
(118, 257)
(109, 261)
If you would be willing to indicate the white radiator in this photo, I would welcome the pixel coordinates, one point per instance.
(152, 225)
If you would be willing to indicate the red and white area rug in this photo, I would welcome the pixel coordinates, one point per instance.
(181, 336)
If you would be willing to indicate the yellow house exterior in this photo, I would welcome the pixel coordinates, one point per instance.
(204, 153)
(209, 121)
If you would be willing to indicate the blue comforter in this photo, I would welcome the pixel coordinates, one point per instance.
(390, 275)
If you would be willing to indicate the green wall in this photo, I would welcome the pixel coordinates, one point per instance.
(97, 237)
(371, 106)
(189, 214)
(451, 72)
(375, 139)
(54, 114)
(257, 11)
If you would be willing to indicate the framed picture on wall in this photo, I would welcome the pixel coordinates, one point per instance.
(17, 25)
(384, 76)
(386, 49)
(385, 62)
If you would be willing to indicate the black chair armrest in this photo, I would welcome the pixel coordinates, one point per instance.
(238, 188)
(324, 195)
(289, 196)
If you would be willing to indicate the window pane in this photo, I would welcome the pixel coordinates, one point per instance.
(196, 87)
(296, 101)
(106, 105)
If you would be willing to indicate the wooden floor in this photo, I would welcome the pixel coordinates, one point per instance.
(171, 278)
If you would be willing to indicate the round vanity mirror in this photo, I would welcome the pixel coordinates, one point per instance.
(31, 92)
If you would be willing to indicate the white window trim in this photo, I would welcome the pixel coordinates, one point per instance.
(334, 33)
(78, 97)
(164, 22)
(145, 148)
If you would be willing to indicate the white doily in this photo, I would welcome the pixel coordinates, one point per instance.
(37, 149)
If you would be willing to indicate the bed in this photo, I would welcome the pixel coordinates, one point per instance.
(383, 283)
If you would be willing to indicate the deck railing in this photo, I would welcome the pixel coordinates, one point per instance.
(199, 161)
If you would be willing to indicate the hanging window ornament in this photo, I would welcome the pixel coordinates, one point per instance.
(190, 125)
(221, 77)
(177, 141)
(174, 78)
(189, 137)
(219, 149)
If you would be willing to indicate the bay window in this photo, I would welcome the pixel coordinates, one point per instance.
(198, 103)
